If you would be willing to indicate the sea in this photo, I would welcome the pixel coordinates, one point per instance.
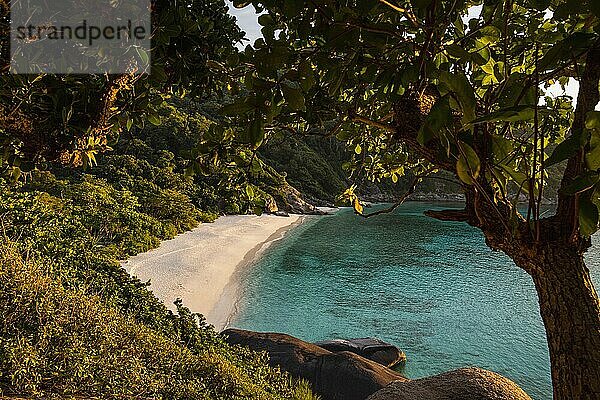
(432, 288)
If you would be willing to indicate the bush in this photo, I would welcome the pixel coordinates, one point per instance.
(60, 342)
(75, 323)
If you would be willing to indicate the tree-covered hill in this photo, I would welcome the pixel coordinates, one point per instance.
(319, 167)
(74, 322)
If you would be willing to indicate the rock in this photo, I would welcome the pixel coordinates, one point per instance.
(290, 200)
(334, 376)
(460, 384)
(370, 348)
(281, 214)
(271, 205)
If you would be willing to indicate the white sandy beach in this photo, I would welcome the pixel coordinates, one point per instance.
(200, 266)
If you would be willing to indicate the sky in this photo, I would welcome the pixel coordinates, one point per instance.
(247, 20)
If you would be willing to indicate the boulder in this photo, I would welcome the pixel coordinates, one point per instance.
(460, 384)
(370, 348)
(290, 200)
(334, 376)
(271, 205)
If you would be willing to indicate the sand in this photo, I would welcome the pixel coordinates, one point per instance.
(203, 267)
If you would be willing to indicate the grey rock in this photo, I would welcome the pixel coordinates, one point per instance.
(334, 376)
(370, 348)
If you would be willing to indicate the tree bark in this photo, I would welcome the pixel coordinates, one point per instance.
(571, 313)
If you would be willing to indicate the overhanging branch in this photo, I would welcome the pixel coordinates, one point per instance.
(448, 215)
(370, 122)
(413, 187)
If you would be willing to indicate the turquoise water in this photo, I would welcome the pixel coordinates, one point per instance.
(432, 288)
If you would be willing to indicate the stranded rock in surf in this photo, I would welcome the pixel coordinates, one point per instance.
(370, 348)
(334, 376)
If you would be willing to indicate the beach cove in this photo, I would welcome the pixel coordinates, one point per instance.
(202, 267)
(443, 296)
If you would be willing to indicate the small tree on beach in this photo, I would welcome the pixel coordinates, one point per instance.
(418, 86)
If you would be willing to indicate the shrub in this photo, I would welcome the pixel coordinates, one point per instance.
(62, 343)
(75, 323)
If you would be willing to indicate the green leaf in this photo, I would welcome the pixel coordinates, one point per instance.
(358, 149)
(501, 148)
(468, 165)
(144, 57)
(439, 117)
(539, 4)
(567, 148)
(256, 132)
(266, 20)
(490, 34)
(459, 84)
(292, 8)
(511, 114)
(592, 157)
(335, 86)
(237, 108)
(249, 192)
(592, 120)
(458, 52)
(581, 184)
(588, 217)
(15, 174)
(294, 97)
(154, 119)
(564, 50)
(306, 75)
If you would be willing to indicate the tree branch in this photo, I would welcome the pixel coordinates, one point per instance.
(448, 215)
(413, 187)
(370, 122)
(587, 99)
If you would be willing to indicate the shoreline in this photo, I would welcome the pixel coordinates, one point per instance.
(204, 267)
(228, 305)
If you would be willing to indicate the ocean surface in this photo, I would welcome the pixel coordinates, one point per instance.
(431, 288)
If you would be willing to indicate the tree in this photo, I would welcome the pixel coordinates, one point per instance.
(70, 118)
(411, 85)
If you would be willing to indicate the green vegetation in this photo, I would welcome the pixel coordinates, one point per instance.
(312, 165)
(415, 87)
(58, 342)
(75, 323)
(96, 168)
(319, 168)
(411, 87)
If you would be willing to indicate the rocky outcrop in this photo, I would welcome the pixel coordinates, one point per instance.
(290, 200)
(271, 205)
(334, 376)
(369, 348)
(460, 384)
(348, 376)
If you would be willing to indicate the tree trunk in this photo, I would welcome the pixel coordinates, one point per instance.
(571, 313)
